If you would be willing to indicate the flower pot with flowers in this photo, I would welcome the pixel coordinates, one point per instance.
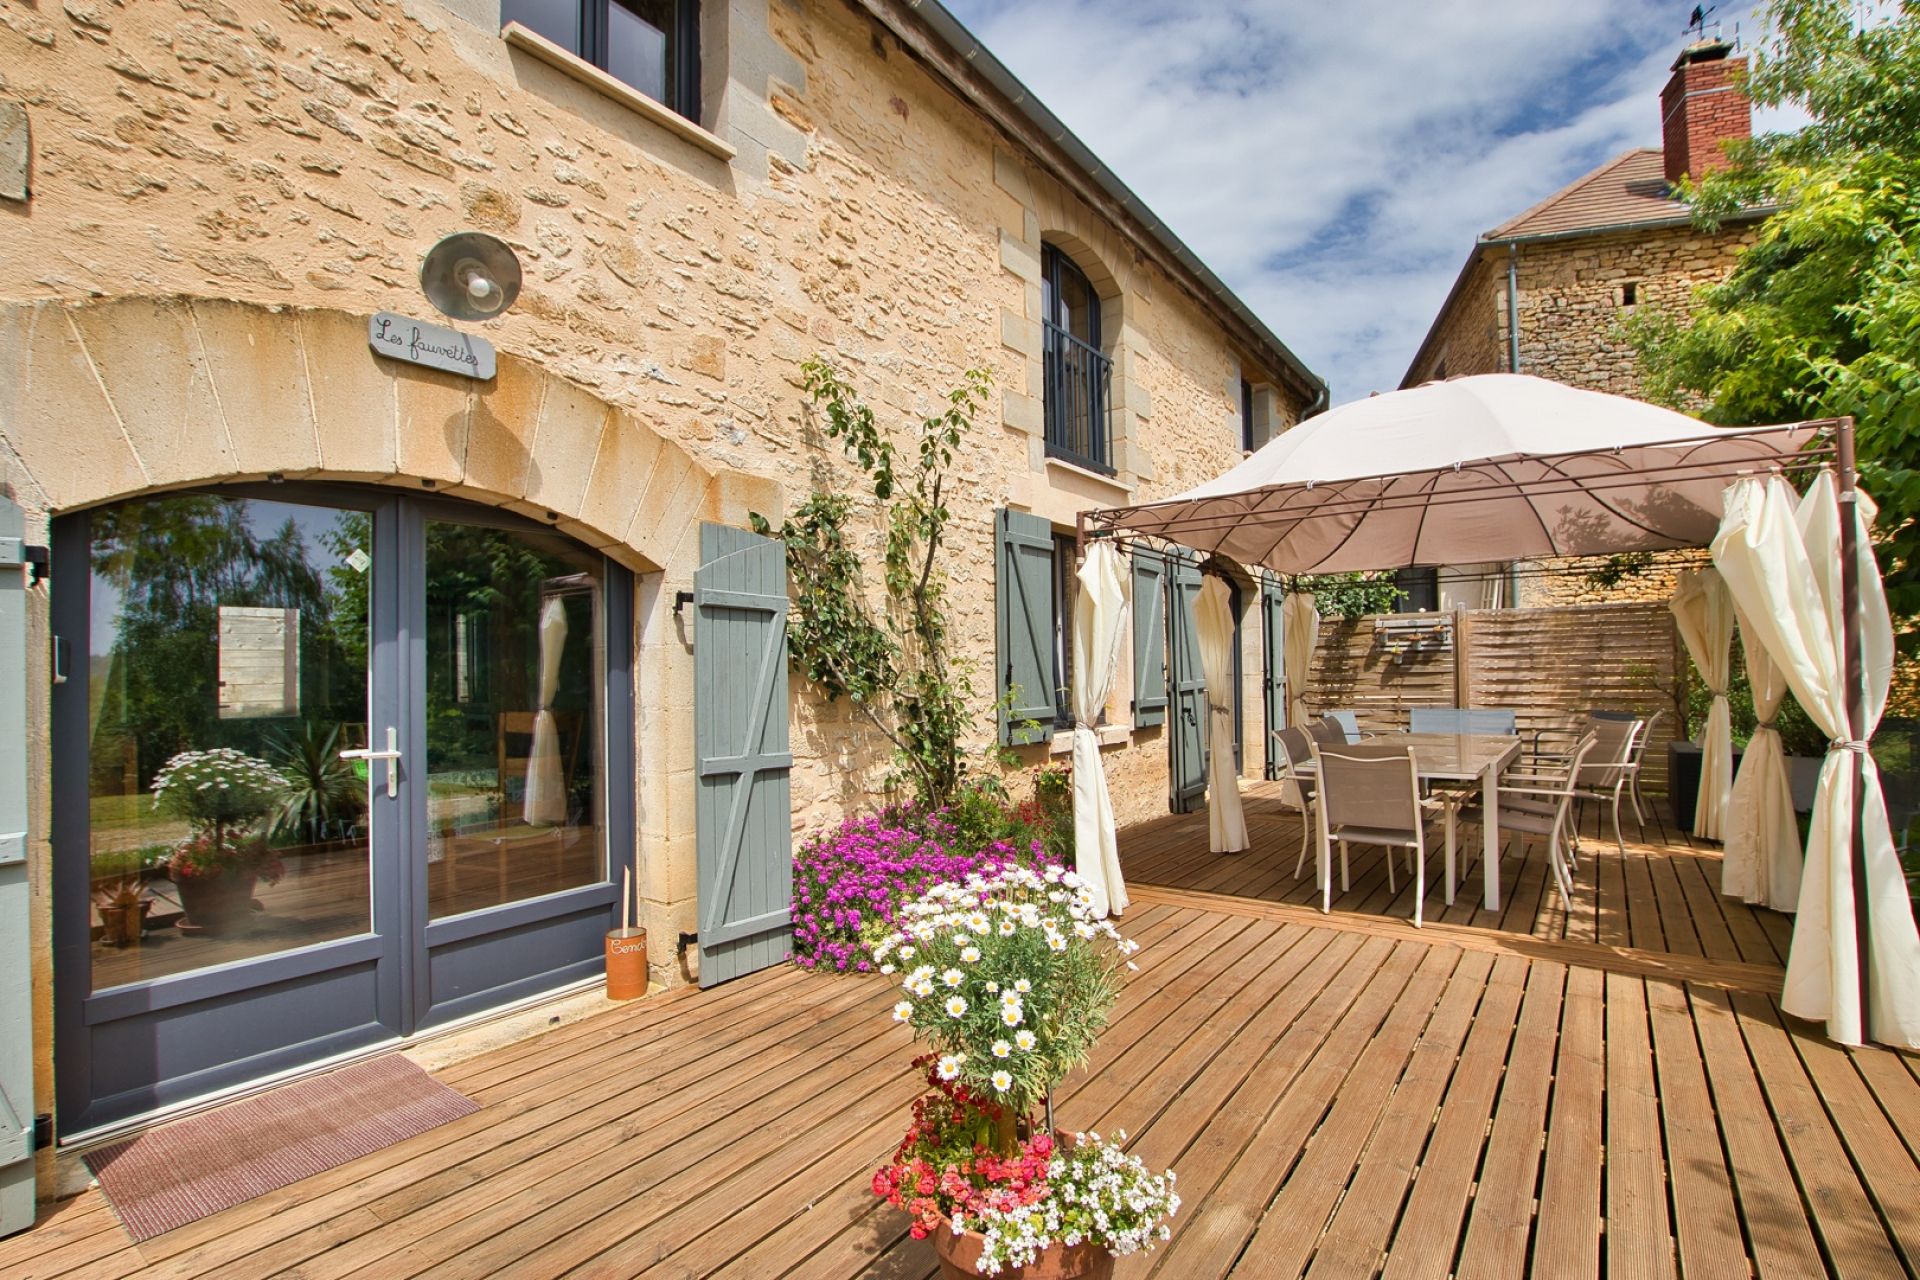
(225, 796)
(1010, 979)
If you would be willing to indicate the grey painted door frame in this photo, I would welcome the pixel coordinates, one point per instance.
(129, 1050)
(16, 956)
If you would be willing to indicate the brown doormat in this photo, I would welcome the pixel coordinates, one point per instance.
(173, 1174)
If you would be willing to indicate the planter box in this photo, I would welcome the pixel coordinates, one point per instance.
(1683, 780)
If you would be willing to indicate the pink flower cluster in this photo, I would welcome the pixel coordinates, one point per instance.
(936, 1175)
(857, 876)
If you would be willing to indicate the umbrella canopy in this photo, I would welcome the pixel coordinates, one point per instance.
(1495, 467)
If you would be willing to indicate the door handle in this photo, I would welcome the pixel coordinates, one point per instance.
(391, 755)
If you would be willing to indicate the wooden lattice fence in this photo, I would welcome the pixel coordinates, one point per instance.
(1552, 666)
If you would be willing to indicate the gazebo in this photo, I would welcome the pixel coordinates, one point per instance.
(1505, 467)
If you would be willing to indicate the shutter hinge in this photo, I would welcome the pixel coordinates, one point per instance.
(42, 1131)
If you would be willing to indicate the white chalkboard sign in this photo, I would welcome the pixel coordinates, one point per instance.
(433, 345)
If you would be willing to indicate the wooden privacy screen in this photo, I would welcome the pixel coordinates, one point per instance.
(1551, 666)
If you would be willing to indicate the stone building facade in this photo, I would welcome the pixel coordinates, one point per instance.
(1549, 291)
(220, 193)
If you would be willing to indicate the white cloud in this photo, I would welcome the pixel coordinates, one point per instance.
(1334, 163)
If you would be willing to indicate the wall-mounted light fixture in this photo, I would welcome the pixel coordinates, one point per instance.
(470, 276)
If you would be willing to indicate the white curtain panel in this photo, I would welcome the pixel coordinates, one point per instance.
(1226, 820)
(1762, 861)
(1704, 610)
(1099, 622)
(1300, 627)
(546, 798)
(1781, 560)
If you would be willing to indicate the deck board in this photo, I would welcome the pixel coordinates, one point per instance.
(1342, 1096)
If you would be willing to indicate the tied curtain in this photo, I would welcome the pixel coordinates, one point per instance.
(1704, 610)
(1762, 860)
(1226, 820)
(546, 799)
(1780, 557)
(1099, 622)
(1300, 631)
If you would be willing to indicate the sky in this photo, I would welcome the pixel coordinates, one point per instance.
(1334, 162)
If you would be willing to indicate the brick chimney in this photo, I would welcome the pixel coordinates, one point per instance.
(1702, 108)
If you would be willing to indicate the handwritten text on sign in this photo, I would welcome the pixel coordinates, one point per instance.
(433, 345)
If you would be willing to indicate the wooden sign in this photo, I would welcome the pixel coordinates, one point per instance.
(259, 662)
(433, 345)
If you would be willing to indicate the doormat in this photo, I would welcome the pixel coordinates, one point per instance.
(177, 1172)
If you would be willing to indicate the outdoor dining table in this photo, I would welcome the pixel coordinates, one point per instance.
(1461, 758)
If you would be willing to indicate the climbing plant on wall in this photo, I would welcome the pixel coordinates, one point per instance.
(891, 659)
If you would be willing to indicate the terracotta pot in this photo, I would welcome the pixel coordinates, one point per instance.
(217, 904)
(122, 923)
(960, 1257)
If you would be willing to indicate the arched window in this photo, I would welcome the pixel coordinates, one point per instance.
(1078, 371)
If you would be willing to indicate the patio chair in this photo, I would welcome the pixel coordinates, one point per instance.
(1348, 723)
(1370, 794)
(1640, 807)
(1610, 771)
(1325, 730)
(1474, 720)
(1538, 805)
(1297, 789)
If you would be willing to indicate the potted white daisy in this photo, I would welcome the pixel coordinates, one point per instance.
(1010, 980)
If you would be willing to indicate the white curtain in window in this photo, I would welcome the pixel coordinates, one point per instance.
(546, 799)
(1762, 861)
(1300, 627)
(1781, 560)
(1704, 611)
(1226, 821)
(1099, 621)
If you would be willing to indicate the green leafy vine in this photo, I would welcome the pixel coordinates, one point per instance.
(893, 663)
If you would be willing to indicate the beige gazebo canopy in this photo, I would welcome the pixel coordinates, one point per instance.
(1494, 467)
(1506, 467)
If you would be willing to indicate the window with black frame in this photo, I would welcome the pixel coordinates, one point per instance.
(653, 45)
(1246, 416)
(1078, 373)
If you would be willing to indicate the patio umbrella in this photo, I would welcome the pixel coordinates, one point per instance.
(1300, 635)
(1762, 859)
(1704, 612)
(546, 798)
(1099, 620)
(1226, 821)
(1782, 560)
(1496, 467)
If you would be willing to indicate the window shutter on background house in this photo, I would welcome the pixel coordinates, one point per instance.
(1149, 638)
(743, 819)
(1023, 626)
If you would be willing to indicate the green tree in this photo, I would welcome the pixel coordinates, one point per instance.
(1821, 315)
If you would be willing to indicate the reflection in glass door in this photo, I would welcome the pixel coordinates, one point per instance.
(333, 769)
(227, 657)
(514, 780)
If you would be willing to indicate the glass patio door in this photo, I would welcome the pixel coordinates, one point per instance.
(329, 769)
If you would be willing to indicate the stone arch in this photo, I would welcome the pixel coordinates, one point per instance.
(108, 399)
(1099, 274)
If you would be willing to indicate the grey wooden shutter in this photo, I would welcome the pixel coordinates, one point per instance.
(16, 986)
(743, 817)
(1023, 625)
(1149, 638)
(1187, 738)
(1273, 684)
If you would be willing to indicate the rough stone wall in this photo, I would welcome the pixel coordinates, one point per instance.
(1571, 311)
(1469, 337)
(304, 155)
(1552, 583)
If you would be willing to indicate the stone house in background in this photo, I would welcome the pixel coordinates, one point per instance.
(1545, 292)
(526, 606)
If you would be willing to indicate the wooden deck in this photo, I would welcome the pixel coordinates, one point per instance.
(1340, 1097)
(1662, 895)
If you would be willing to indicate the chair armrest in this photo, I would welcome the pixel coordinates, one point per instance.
(1537, 791)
